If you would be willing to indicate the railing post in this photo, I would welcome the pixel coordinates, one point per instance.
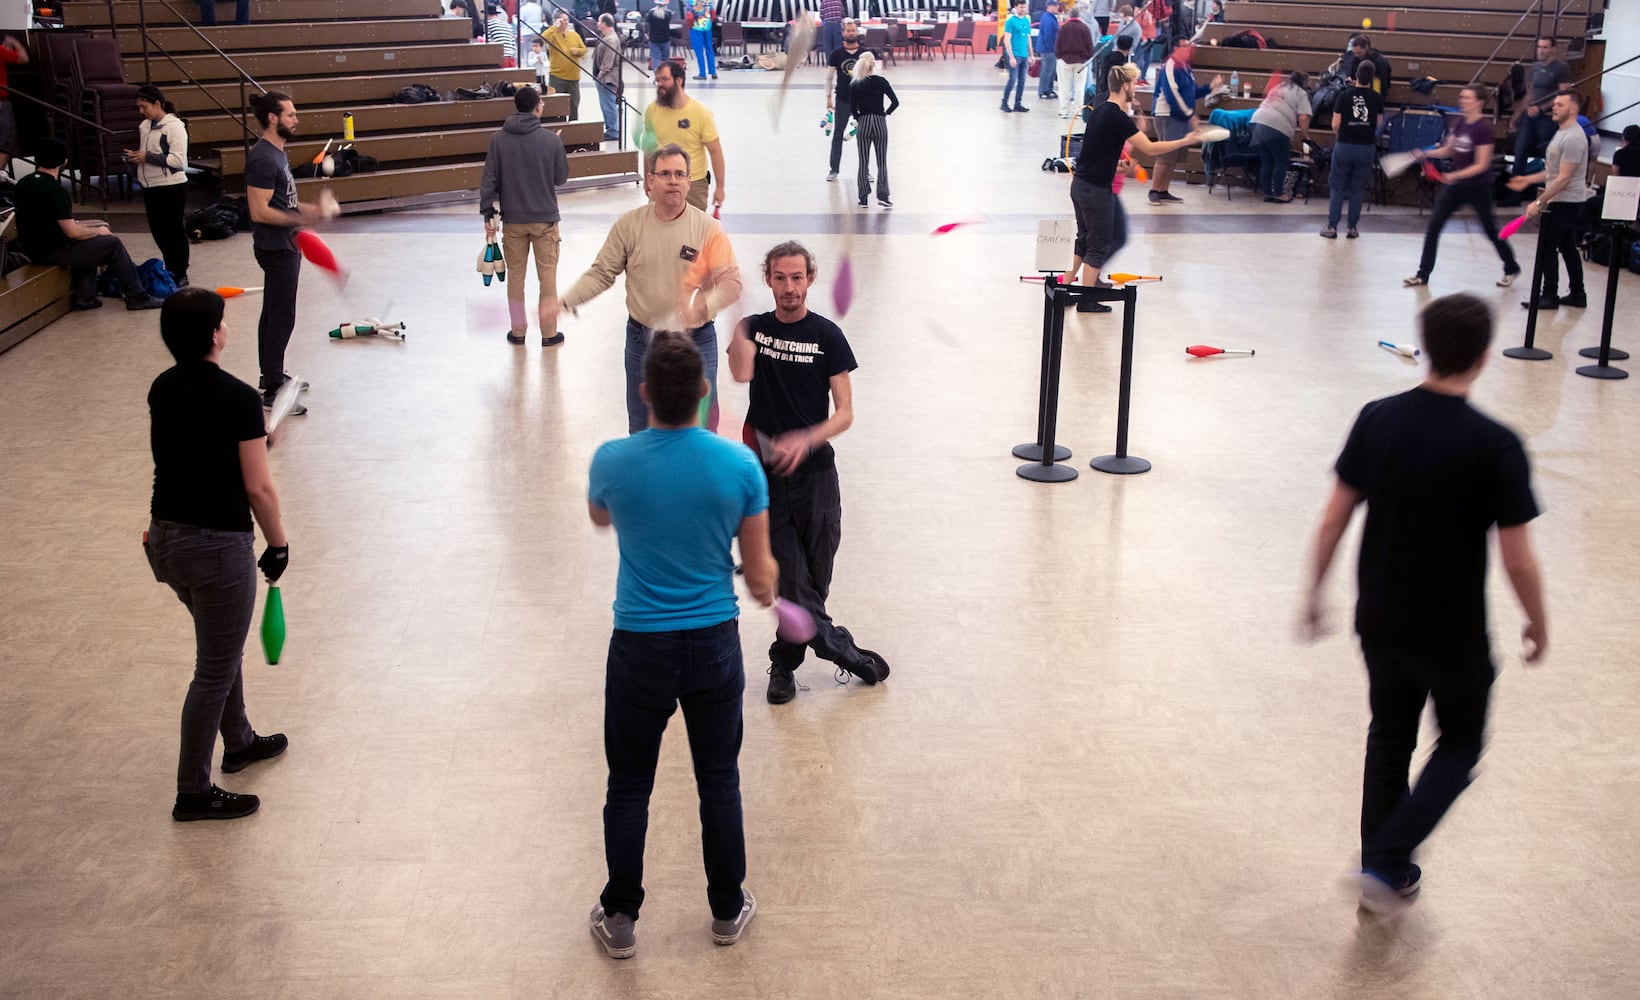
(142, 25)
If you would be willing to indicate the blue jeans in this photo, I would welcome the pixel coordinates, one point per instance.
(1016, 82)
(650, 674)
(1395, 819)
(1351, 170)
(831, 36)
(1532, 140)
(609, 102)
(1275, 151)
(1050, 70)
(659, 52)
(214, 576)
(637, 345)
(705, 55)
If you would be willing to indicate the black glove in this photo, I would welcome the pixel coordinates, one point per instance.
(273, 562)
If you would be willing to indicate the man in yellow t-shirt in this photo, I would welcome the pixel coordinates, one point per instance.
(675, 117)
(564, 51)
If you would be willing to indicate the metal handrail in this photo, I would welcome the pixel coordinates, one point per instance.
(1511, 34)
(620, 143)
(14, 92)
(142, 18)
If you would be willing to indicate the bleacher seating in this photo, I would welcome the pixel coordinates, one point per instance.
(333, 57)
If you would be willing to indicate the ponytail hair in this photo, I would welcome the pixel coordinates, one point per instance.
(153, 95)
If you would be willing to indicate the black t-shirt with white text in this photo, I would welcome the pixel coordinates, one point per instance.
(1109, 127)
(1359, 108)
(1436, 475)
(792, 373)
(199, 415)
(842, 61)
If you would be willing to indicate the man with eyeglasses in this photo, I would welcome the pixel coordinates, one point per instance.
(680, 273)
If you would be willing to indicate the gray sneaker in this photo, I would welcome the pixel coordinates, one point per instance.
(727, 932)
(614, 932)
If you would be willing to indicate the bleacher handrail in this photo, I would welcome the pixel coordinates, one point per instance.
(1537, 7)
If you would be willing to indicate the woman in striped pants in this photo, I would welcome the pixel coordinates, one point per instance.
(869, 92)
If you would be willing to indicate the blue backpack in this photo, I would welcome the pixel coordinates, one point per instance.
(156, 279)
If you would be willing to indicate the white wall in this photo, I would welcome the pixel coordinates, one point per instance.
(1621, 86)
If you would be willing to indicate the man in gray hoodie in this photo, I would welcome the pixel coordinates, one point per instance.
(523, 169)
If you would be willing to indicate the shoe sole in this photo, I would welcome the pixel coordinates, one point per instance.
(775, 699)
(728, 939)
(868, 678)
(197, 817)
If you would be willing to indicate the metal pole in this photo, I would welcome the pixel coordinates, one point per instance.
(1121, 463)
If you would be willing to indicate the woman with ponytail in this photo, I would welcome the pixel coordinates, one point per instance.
(160, 160)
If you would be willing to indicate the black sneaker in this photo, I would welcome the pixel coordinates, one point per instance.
(261, 748)
(1545, 301)
(876, 658)
(145, 302)
(87, 304)
(1168, 197)
(863, 203)
(862, 663)
(214, 804)
(1577, 300)
(782, 685)
(180, 280)
(1390, 896)
(885, 203)
(1007, 108)
(1090, 306)
(1021, 107)
(515, 338)
(552, 341)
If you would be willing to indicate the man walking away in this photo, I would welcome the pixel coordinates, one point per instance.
(523, 169)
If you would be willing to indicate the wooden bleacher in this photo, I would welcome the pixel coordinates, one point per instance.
(334, 57)
(31, 298)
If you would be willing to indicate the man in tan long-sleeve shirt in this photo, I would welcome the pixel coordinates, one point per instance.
(680, 272)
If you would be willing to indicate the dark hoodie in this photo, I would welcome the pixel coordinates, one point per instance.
(523, 169)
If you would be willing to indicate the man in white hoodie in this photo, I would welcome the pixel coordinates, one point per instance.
(161, 161)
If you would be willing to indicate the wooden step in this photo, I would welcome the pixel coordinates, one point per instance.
(1275, 14)
(95, 15)
(448, 144)
(341, 91)
(207, 131)
(31, 298)
(1395, 45)
(1372, 8)
(411, 182)
(1209, 60)
(233, 38)
(320, 63)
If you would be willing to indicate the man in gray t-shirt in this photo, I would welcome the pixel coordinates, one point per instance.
(1561, 204)
(1548, 76)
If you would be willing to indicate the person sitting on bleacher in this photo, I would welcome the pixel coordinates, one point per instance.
(1360, 51)
(1627, 158)
(1534, 126)
(48, 234)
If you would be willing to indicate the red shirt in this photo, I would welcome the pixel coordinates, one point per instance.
(7, 57)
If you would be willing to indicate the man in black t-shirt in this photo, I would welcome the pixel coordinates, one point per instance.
(1357, 113)
(276, 214)
(840, 68)
(1101, 225)
(798, 364)
(1436, 476)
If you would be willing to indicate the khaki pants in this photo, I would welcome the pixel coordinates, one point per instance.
(518, 239)
(697, 192)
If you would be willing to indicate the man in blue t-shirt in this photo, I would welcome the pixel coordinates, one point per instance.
(677, 496)
(1439, 479)
(1016, 55)
(1047, 34)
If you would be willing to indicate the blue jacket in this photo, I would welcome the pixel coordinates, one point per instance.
(1184, 81)
(1047, 32)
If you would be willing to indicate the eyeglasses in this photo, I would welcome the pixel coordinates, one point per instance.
(670, 175)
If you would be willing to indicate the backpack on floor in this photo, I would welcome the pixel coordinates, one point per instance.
(156, 278)
(1634, 254)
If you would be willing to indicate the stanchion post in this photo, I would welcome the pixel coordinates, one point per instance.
(1052, 302)
(1121, 463)
(1527, 352)
(1604, 369)
(1043, 470)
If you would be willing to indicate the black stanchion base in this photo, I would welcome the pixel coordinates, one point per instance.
(1032, 452)
(1602, 371)
(1036, 472)
(1120, 465)
(1594, 352)
(1527, 353)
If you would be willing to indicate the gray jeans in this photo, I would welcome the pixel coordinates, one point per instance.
(214, 575)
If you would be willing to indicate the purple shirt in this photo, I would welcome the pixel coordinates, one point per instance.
(831, 10)
(1467, 137)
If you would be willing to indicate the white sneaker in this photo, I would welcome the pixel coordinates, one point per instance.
(1414, 281)
(1508, 279)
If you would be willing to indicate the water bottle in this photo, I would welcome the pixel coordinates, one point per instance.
(347, 127)
(1235, 82)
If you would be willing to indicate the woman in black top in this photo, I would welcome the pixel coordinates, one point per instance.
(868, 92)
(210, 475)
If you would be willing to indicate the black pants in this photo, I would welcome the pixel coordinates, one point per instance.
(1451, 198)
(165, 207)
(1101, 225)
(281, 270)
(1395, 819)
(84, 257)
(1561, 222)
(805, 529)
(839, 128)
(207, 12)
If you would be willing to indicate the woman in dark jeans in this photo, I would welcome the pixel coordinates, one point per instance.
(210, 475)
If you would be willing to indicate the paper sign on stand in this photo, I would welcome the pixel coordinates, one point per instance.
(1055, 244)
(1622, 199)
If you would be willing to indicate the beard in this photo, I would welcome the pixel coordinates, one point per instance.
(287, 134)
